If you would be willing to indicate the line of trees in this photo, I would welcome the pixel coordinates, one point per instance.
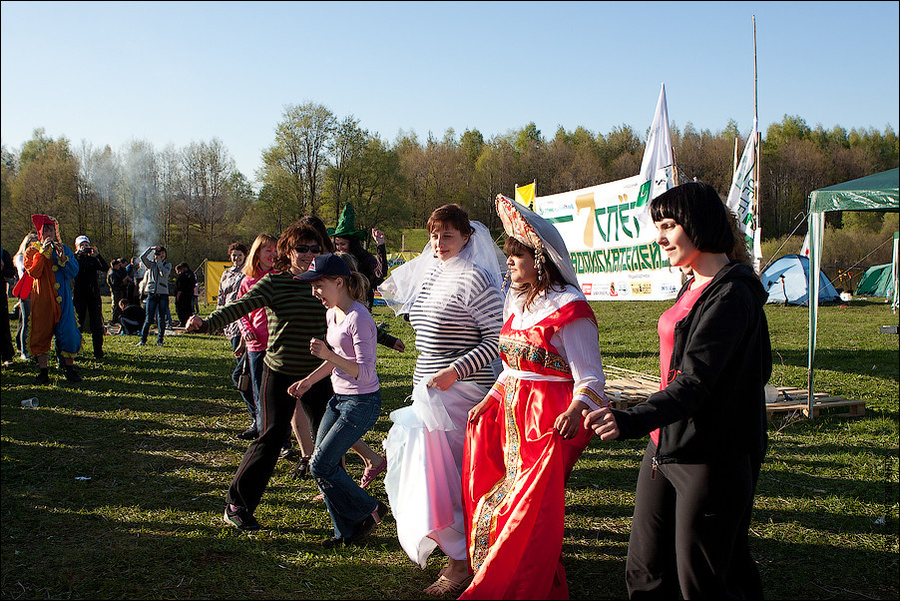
(195, 201)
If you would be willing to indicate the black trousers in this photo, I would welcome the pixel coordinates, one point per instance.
(116, 311)
(184, 307)
(89, 311)
(259, 461)
(7, 352)
(690, 531)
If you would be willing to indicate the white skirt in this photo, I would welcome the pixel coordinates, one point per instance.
(424, 451)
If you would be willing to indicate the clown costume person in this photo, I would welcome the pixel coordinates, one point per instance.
(49, 267)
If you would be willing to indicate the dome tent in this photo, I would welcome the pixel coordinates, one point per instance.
(877, 281)
(787, 282)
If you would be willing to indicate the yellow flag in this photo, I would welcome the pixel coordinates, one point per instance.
(525, 194)
(214, 271)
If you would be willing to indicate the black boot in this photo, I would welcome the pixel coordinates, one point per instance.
(72, 374)
(43, 376)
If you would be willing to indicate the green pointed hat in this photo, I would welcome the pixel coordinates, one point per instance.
(346, 226)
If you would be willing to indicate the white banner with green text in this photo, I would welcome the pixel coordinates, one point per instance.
(611, 240)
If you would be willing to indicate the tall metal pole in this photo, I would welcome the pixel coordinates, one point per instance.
(756, 191)
(755, 97)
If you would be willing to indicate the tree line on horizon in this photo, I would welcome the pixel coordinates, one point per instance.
(196, 202)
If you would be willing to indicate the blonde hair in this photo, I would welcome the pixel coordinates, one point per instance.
(251, 265)
(357, 283)
(29, 238)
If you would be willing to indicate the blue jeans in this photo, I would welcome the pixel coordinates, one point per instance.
(157, 306)
(247, 395)
(256, 371)
(346, 419)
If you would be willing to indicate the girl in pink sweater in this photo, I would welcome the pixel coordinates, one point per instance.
(356, 404)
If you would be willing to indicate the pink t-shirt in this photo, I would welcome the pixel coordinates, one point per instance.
(666, 329)
(354, 338)
(255, 325)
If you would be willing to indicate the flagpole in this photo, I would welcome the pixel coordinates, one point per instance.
(675, 178)
(755, 78)
(757, 142)
(734, 165)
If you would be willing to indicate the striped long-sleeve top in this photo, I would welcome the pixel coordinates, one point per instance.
(294, 316)
(457, 317)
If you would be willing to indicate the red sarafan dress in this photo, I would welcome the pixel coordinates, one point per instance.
(516, 463)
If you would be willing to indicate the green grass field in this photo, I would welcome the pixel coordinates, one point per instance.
(113, 488)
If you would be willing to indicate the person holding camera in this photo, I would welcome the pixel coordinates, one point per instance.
(117, 280)
(86, 291)
(157, 292)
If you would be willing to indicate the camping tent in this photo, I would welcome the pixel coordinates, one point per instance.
(878, 192)
(787, 282)
(878, 281)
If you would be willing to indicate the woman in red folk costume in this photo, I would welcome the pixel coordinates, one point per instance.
(524, 438)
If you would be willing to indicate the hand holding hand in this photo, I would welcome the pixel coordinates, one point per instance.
(603, 422)
(299, 388)
(193, 323)
(378, 236)
(567, 423)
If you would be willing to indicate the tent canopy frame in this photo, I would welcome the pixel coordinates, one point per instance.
(877, 192)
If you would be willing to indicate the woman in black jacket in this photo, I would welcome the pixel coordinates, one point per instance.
(707, 423)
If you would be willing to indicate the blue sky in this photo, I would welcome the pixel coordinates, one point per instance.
(173, 73)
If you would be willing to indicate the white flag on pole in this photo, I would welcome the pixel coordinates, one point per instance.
(658, 164)
(658, 153)
(742, 194)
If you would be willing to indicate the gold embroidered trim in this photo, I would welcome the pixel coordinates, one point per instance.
(485, 518)
(516, 352)
(590, 393)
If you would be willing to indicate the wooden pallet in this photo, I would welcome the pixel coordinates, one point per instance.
(796, 400)
(626, 388)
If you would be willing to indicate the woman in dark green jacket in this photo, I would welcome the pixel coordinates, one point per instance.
(295, 316)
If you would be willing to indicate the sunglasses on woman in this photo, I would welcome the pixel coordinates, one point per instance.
(308, 248)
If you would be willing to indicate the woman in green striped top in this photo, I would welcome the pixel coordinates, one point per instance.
(295, 316)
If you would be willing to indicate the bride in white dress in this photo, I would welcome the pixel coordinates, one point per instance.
(453, 298)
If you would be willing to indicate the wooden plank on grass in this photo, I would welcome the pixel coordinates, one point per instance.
(628, 388)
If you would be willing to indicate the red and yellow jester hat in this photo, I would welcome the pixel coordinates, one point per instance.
(40, 221)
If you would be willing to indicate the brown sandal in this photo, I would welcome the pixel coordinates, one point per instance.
(445, 586)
